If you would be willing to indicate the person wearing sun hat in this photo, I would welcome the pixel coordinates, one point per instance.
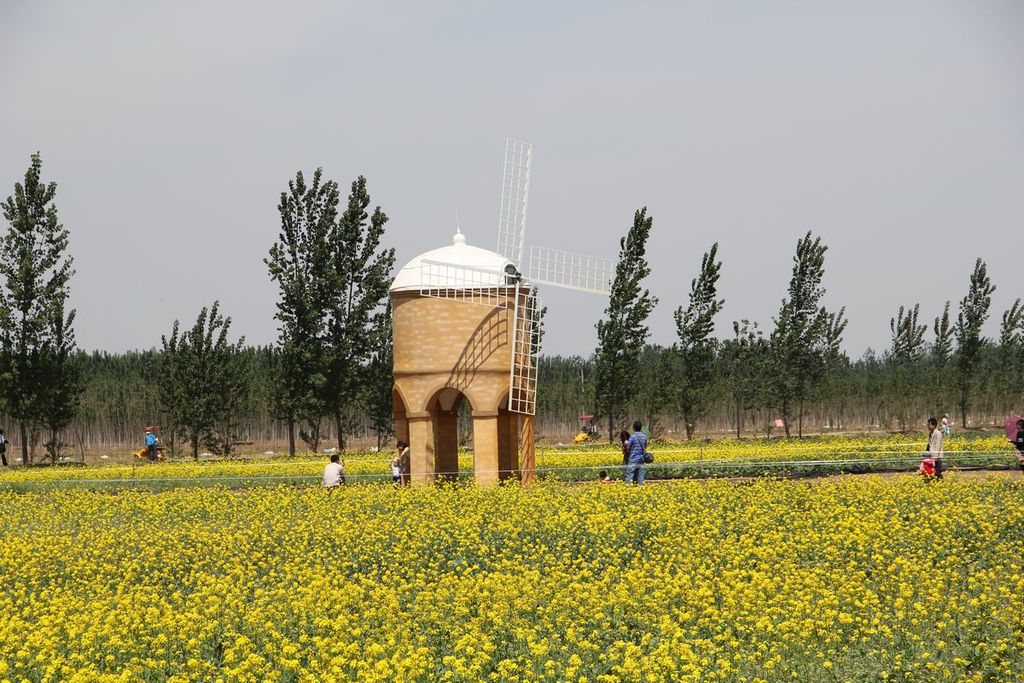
(151, 444)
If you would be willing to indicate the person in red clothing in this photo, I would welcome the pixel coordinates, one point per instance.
(1018, 441)
(927, 469)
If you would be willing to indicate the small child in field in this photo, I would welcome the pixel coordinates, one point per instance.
(927, 469)
(603, 477)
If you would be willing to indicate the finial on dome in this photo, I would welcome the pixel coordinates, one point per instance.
(458, 237)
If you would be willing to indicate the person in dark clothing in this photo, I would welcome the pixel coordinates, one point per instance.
(624, 438)
(3, 447)
(1018, 441)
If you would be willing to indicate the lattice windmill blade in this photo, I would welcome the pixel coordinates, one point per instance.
(482, 286)
(571, 271)
(522, 385)
(515, 193)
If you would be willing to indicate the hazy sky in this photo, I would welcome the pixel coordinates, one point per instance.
(895, 130)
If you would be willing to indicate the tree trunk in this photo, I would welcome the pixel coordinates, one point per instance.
(25, 458)
(341, 432)
(800, 421)
(611, 427)
(291, 436)
(195, 447)
(739, 417)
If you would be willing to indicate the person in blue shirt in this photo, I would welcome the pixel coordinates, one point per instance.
(636, 448)
(151, 444)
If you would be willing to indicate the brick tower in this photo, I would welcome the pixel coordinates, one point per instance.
(453, 343)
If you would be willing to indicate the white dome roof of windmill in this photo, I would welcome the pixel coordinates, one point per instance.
(471, 266)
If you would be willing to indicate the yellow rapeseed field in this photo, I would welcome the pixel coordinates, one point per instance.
(865, 579)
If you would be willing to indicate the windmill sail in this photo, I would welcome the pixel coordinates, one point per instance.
(515, 191)
(571, 271)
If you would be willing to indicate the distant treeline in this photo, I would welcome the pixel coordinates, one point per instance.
(122, 396)
(875, 392)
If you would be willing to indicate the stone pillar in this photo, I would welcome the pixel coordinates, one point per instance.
(422, 460)
(485, 447)
(508, 446)
(447, 454)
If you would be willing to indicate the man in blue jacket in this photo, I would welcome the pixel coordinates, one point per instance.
(151, 444)
(636, 449)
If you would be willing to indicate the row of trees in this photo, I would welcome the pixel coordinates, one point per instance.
(122, 393)
(329, 374)
(800, 361)
(332, 360)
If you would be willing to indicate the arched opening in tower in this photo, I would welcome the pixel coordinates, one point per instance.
(450, 417)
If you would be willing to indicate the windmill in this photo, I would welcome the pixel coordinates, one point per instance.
(508, 287)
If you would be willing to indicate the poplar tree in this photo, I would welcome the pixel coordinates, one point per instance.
(62, 370)
(974, 311)
(623, 332)
(744, 359)
(942, 349)
(806, 335)
(939, 377)
(357, 317)
(1010, 363)
(201, 378)
(300, 263)
(377, 388)
(696, 348)
(39, 376)
(905, 355)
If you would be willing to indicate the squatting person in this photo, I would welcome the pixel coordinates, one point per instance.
(333, 473)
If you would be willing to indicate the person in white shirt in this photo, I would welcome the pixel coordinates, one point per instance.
(935, 445)
(334, 473)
